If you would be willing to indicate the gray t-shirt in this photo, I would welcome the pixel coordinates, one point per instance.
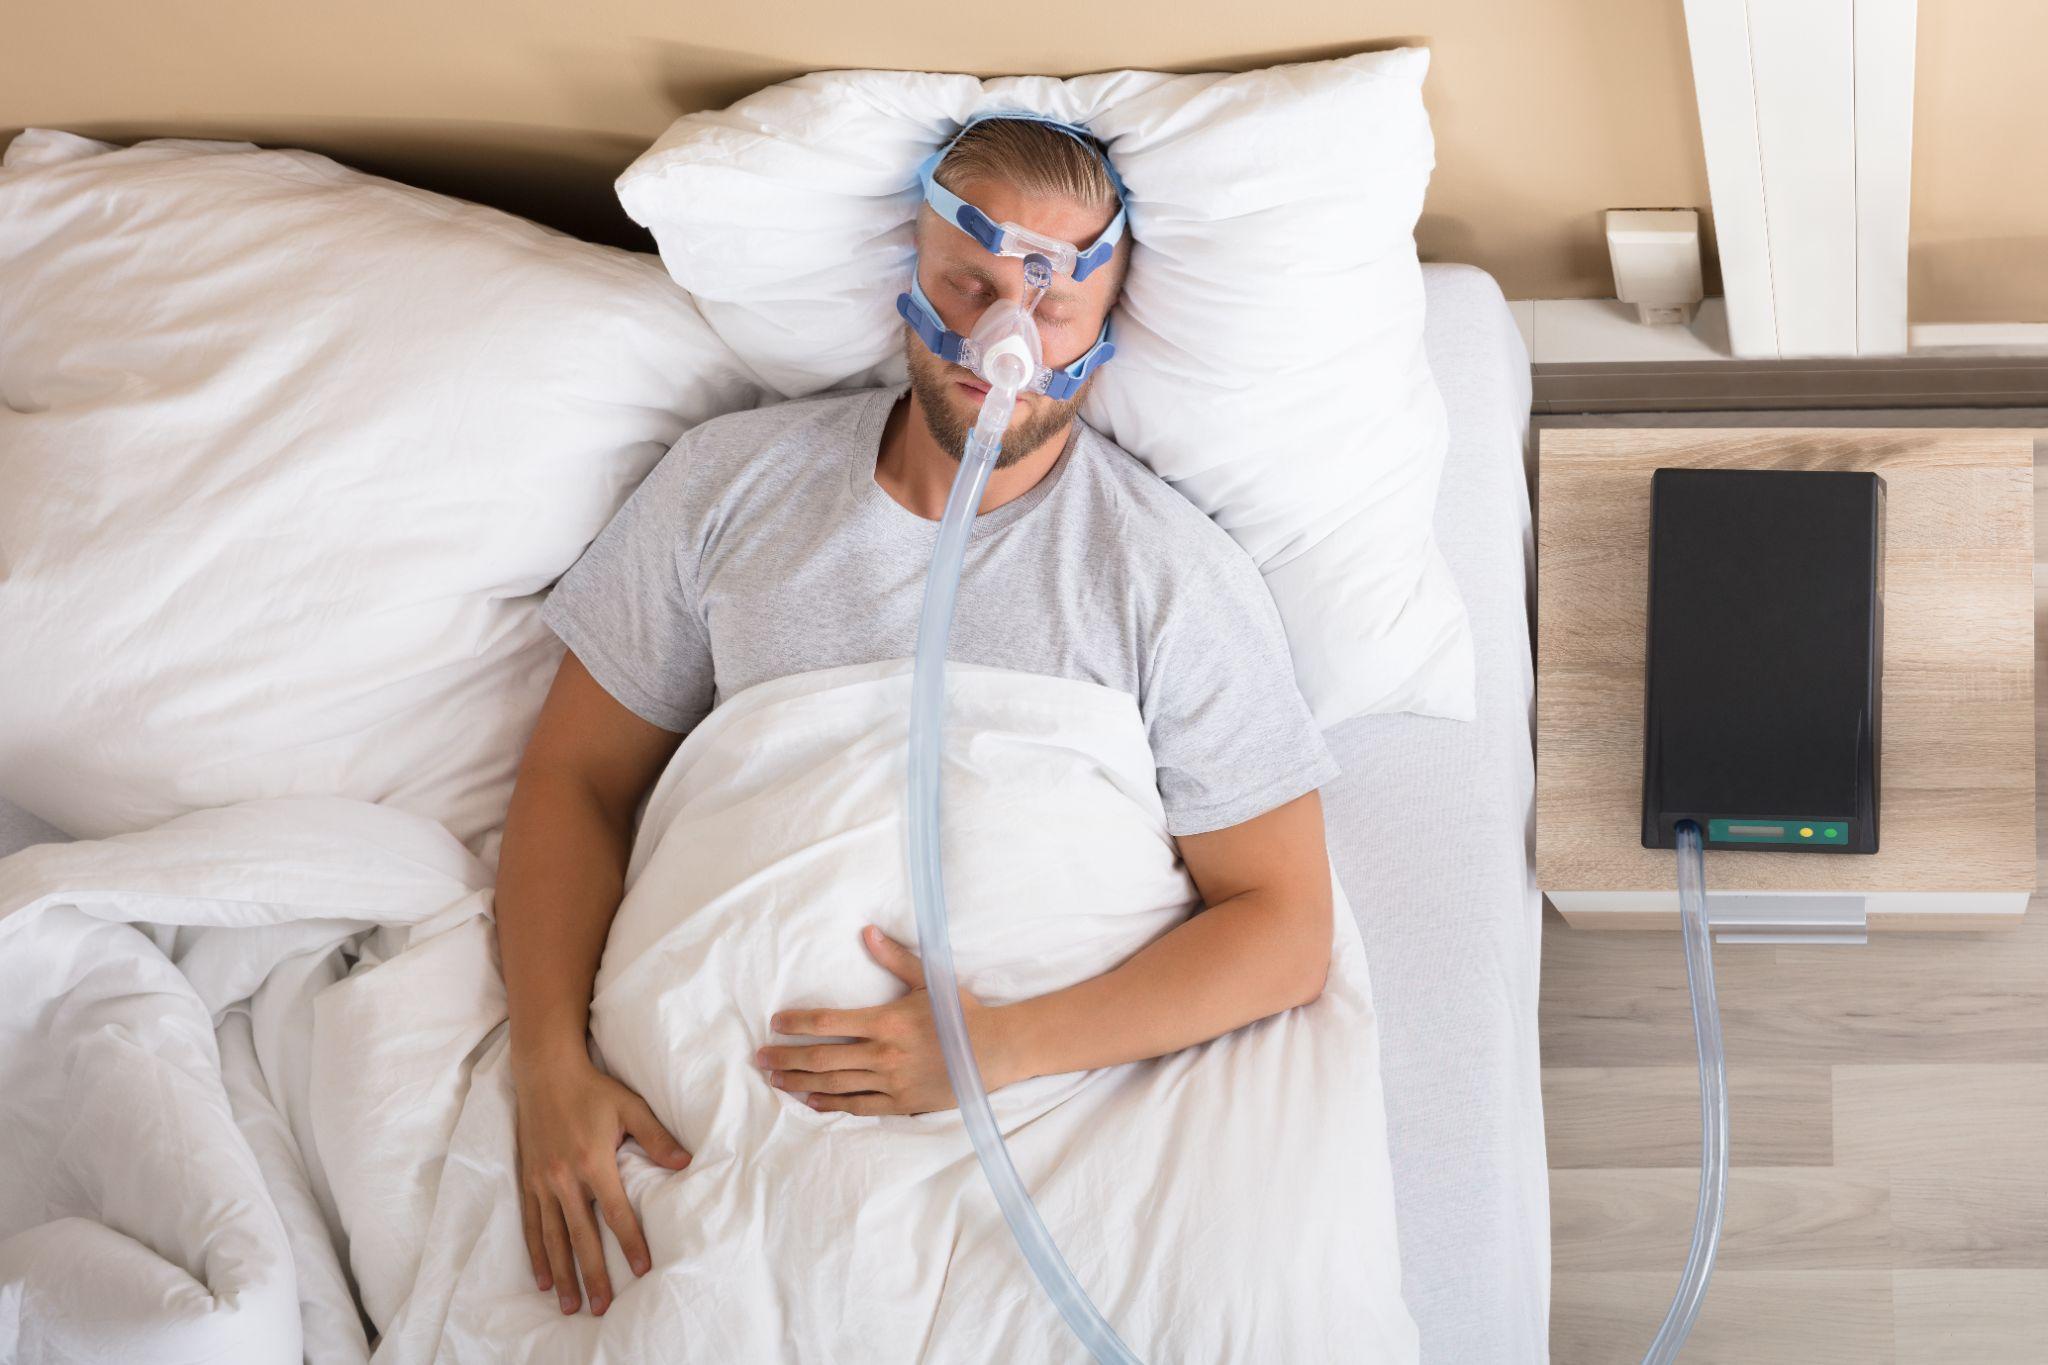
(761, 546)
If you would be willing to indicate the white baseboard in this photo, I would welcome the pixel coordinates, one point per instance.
(1988, 338)
(1606, 332)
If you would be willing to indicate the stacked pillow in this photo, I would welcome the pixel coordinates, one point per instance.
(289, 456)
(1270, 358)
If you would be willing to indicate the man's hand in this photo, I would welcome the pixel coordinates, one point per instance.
(572, 1120)
(895, 1067)
(1260, 945)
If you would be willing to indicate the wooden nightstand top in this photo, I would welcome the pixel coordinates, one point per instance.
(1957, 766)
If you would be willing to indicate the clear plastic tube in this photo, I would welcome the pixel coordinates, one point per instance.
(927, 712)
(1706, 1024)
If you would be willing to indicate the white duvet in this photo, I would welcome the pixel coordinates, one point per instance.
(253, 1071)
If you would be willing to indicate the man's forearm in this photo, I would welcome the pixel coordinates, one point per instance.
(1217, 971)
(561, 874)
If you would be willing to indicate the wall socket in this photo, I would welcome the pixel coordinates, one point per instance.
(1656, 259)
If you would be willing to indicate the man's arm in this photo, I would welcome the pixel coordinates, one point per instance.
(562, 866)
(561, 874)
(1260, 945)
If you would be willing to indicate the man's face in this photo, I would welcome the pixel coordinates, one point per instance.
(962, 279)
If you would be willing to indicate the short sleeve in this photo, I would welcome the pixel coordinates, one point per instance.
(1231, 735)
(628, 606)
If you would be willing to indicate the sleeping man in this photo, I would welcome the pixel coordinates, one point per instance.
(796, 538)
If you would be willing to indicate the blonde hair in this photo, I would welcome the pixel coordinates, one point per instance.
(1037, 159)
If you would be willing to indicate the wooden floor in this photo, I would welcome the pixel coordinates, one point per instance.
(1888, 1194)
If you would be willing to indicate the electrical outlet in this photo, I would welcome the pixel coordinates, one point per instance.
(1656, 258)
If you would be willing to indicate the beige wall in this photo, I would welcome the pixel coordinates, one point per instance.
(1546, 111)
(1980, 163)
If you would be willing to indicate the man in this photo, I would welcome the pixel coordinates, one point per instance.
(796, 537)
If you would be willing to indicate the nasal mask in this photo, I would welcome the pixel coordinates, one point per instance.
(1003, 319)
(1004, 351)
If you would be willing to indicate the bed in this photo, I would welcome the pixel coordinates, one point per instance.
(1451, 923)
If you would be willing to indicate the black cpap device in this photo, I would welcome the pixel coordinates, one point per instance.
(1765, 655)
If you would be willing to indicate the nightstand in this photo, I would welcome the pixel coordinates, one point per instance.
(1957, 786)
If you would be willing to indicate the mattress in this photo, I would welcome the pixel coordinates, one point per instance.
(1431, 827)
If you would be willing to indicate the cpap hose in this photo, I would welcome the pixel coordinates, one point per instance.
(1007, 364)
(1706, 1026)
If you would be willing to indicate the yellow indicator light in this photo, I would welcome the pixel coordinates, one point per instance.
(1806, 831)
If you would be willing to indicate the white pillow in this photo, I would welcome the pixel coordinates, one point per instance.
(288, 458)
(1270, 360)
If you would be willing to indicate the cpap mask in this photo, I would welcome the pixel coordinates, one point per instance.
(1003, 322)
(1004, 350)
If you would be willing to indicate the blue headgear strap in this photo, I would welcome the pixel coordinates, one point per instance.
(917, 310)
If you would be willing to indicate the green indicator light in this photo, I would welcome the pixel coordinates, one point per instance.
(1829, 831)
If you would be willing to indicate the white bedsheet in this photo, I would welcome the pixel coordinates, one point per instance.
(1230, 1202)
(1431, 824)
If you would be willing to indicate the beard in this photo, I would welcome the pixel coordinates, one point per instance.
(949, 415)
